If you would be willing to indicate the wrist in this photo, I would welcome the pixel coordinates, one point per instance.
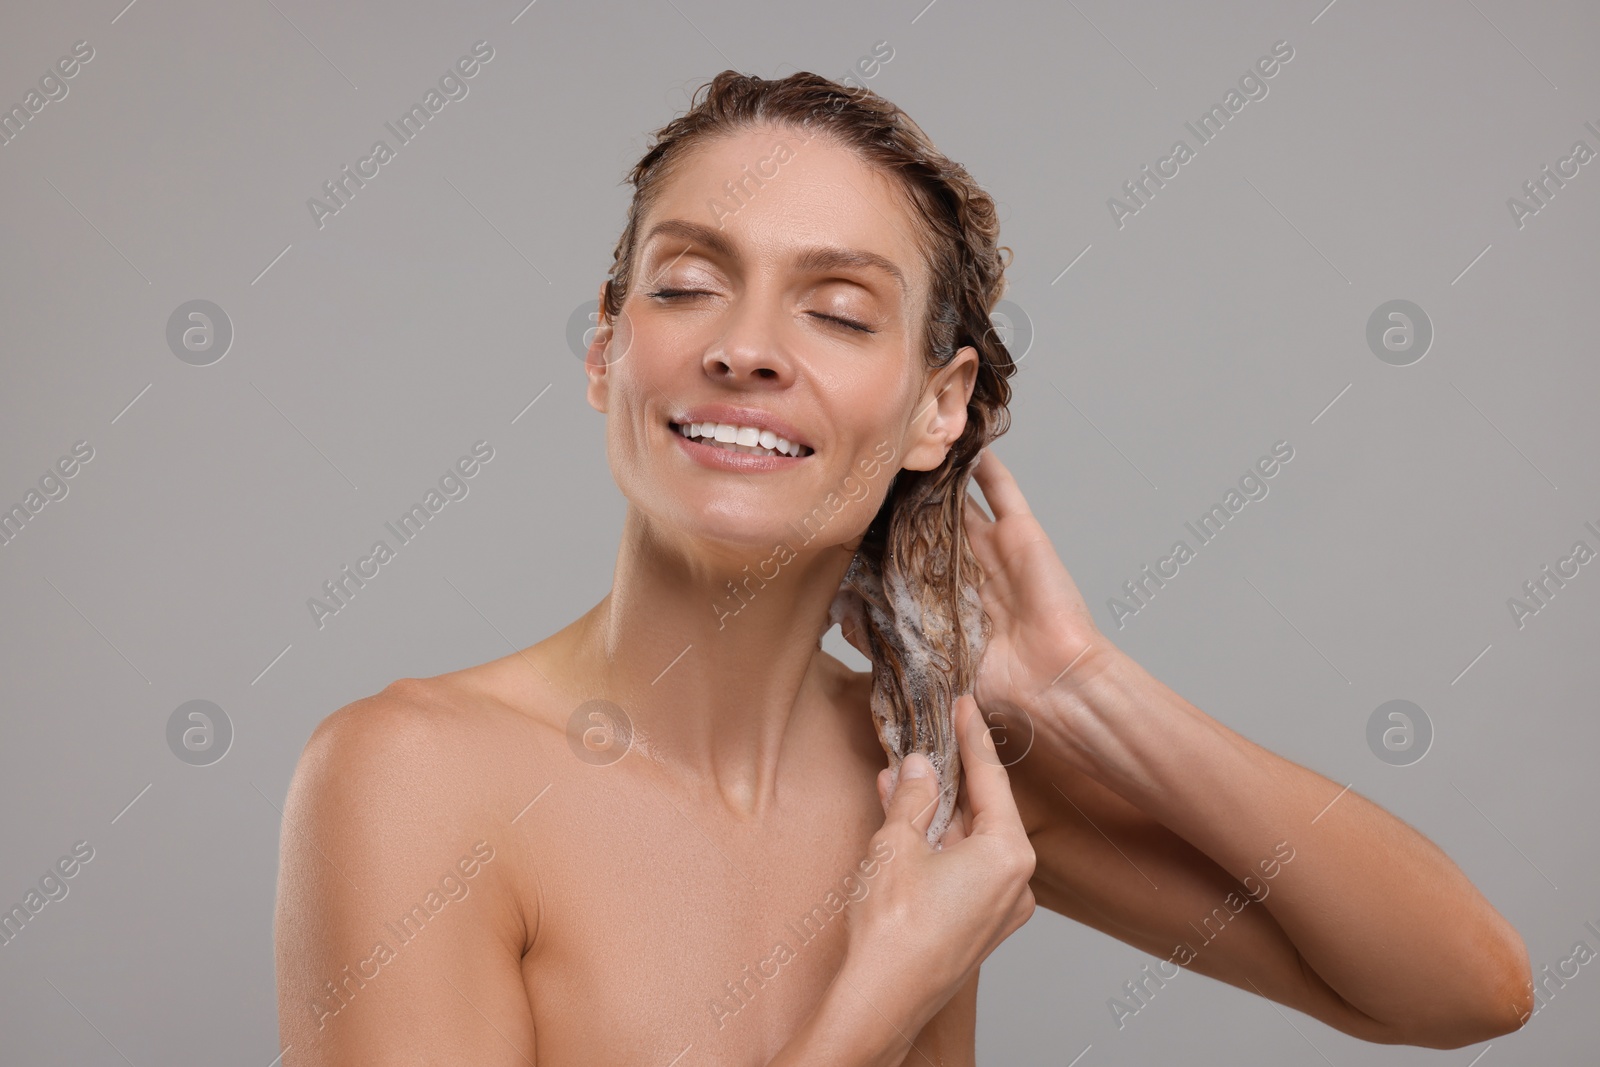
(858, 1022)
(1088, 696)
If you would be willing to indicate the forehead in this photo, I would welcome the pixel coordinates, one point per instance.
(772, 194)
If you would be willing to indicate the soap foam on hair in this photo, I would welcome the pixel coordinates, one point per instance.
(900, 621)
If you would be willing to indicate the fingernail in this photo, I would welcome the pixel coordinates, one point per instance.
(915, 766)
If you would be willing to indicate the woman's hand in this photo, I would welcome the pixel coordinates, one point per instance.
(932, 916)
(1041, 623)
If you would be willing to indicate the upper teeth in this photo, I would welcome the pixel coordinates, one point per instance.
(742, 438)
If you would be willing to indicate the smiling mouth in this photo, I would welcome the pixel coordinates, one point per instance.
(747, 439)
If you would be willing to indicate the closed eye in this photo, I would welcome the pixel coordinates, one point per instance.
(842, 322)
(674, 294)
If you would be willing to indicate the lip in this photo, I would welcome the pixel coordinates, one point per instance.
(722, 459)
(727, 459)
(737, 416)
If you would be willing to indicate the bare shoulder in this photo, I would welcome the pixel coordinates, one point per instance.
(431, 724)
(397, 823)
(410, 779)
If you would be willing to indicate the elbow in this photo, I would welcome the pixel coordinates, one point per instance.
(1512, 1003)
(1504, 999)
(1494, 999)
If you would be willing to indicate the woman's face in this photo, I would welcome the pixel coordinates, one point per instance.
(776, 287)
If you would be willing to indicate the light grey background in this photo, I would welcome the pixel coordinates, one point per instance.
(1228, 314)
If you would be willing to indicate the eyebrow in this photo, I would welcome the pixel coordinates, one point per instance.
(810, 259)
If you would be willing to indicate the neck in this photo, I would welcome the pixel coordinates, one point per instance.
(713, 655)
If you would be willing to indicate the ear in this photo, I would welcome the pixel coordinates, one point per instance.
(594, 358)
(941, 412)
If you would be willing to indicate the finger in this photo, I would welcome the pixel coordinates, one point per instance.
(1000, 489)
(955, 831)
(916, 794)
(883, 789)
(988, 783)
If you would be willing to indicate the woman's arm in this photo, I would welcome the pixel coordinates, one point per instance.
(931, 918)
(1255, 870)
(1148, 818)
(399, 931)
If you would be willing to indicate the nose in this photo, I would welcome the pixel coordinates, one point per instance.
(750, 350)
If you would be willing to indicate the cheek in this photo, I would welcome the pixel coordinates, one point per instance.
(622, 338)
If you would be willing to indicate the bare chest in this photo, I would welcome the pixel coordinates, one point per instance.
(668, 932)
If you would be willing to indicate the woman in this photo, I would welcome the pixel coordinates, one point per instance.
(666, 834)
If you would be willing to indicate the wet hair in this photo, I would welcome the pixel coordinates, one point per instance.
(912, 587)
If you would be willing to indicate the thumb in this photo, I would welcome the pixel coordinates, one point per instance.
(916, 794)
